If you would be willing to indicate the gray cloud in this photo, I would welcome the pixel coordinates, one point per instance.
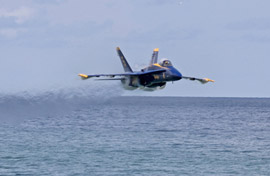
(256, 37)
(255, 24)
(20, 15)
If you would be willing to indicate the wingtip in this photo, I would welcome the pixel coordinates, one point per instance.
(83, 76)
(156, 49)
(208, 80)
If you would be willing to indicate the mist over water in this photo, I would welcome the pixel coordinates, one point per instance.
(19, 106)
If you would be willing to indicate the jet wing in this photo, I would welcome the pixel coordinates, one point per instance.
(202, 80)
(83, 76)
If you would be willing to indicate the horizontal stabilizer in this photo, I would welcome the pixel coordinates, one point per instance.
(202, 80)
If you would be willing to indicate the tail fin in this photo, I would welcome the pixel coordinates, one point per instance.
(154, 56)
(123, 60)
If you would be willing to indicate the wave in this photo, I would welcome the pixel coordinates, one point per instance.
(19, 106)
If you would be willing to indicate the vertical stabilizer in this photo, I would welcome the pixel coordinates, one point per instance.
(123, 60)
(154, 56)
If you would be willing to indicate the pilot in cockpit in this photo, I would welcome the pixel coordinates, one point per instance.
(165, 63)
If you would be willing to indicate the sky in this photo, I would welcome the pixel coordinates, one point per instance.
(45, 44)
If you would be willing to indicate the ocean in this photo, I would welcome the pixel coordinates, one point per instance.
(125, 135)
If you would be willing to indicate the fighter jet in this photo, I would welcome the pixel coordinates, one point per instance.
(153, 77)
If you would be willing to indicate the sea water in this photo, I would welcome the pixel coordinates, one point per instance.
(135, 136)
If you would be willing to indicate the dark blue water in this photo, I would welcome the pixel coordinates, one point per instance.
(135, 136)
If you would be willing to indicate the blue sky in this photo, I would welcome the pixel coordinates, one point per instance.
(45, 44)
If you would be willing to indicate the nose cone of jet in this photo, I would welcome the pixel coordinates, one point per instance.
(176, 75)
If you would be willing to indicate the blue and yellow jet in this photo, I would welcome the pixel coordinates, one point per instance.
(153, 77)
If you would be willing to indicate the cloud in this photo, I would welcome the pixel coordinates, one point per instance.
(14, 18)
(11, 33)
(20, 15)
(254, 24)
(256, 37)
(251, 30)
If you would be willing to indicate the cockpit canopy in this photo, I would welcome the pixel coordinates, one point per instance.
(165, 63)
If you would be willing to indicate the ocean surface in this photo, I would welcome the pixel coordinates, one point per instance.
(159, 136)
